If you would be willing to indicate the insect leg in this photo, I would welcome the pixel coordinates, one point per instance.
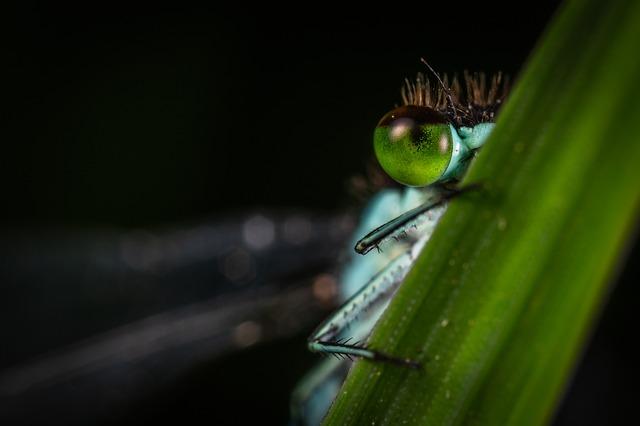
(430, 210)
(370, 299)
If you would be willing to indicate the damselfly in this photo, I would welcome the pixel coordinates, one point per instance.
(427, 145)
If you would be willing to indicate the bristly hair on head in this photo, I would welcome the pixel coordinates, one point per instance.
(468, 104)
(475, 101)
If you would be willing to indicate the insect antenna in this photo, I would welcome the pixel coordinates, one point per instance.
(450, 105)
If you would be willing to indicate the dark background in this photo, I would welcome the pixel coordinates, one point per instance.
(123, 118)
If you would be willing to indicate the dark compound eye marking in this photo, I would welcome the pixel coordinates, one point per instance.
(417, 114)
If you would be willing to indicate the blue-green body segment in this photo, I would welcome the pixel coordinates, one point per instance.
(466, 141)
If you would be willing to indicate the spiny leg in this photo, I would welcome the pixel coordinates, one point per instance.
(375, 295)
(372, 299)
(396, 228)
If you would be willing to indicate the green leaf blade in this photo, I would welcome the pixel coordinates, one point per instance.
(500, 301)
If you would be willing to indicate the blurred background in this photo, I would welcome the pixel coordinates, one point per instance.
(177, 193)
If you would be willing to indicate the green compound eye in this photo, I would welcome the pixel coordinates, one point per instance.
(413, 145)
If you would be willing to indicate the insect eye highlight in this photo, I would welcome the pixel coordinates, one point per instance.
(413, 145)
